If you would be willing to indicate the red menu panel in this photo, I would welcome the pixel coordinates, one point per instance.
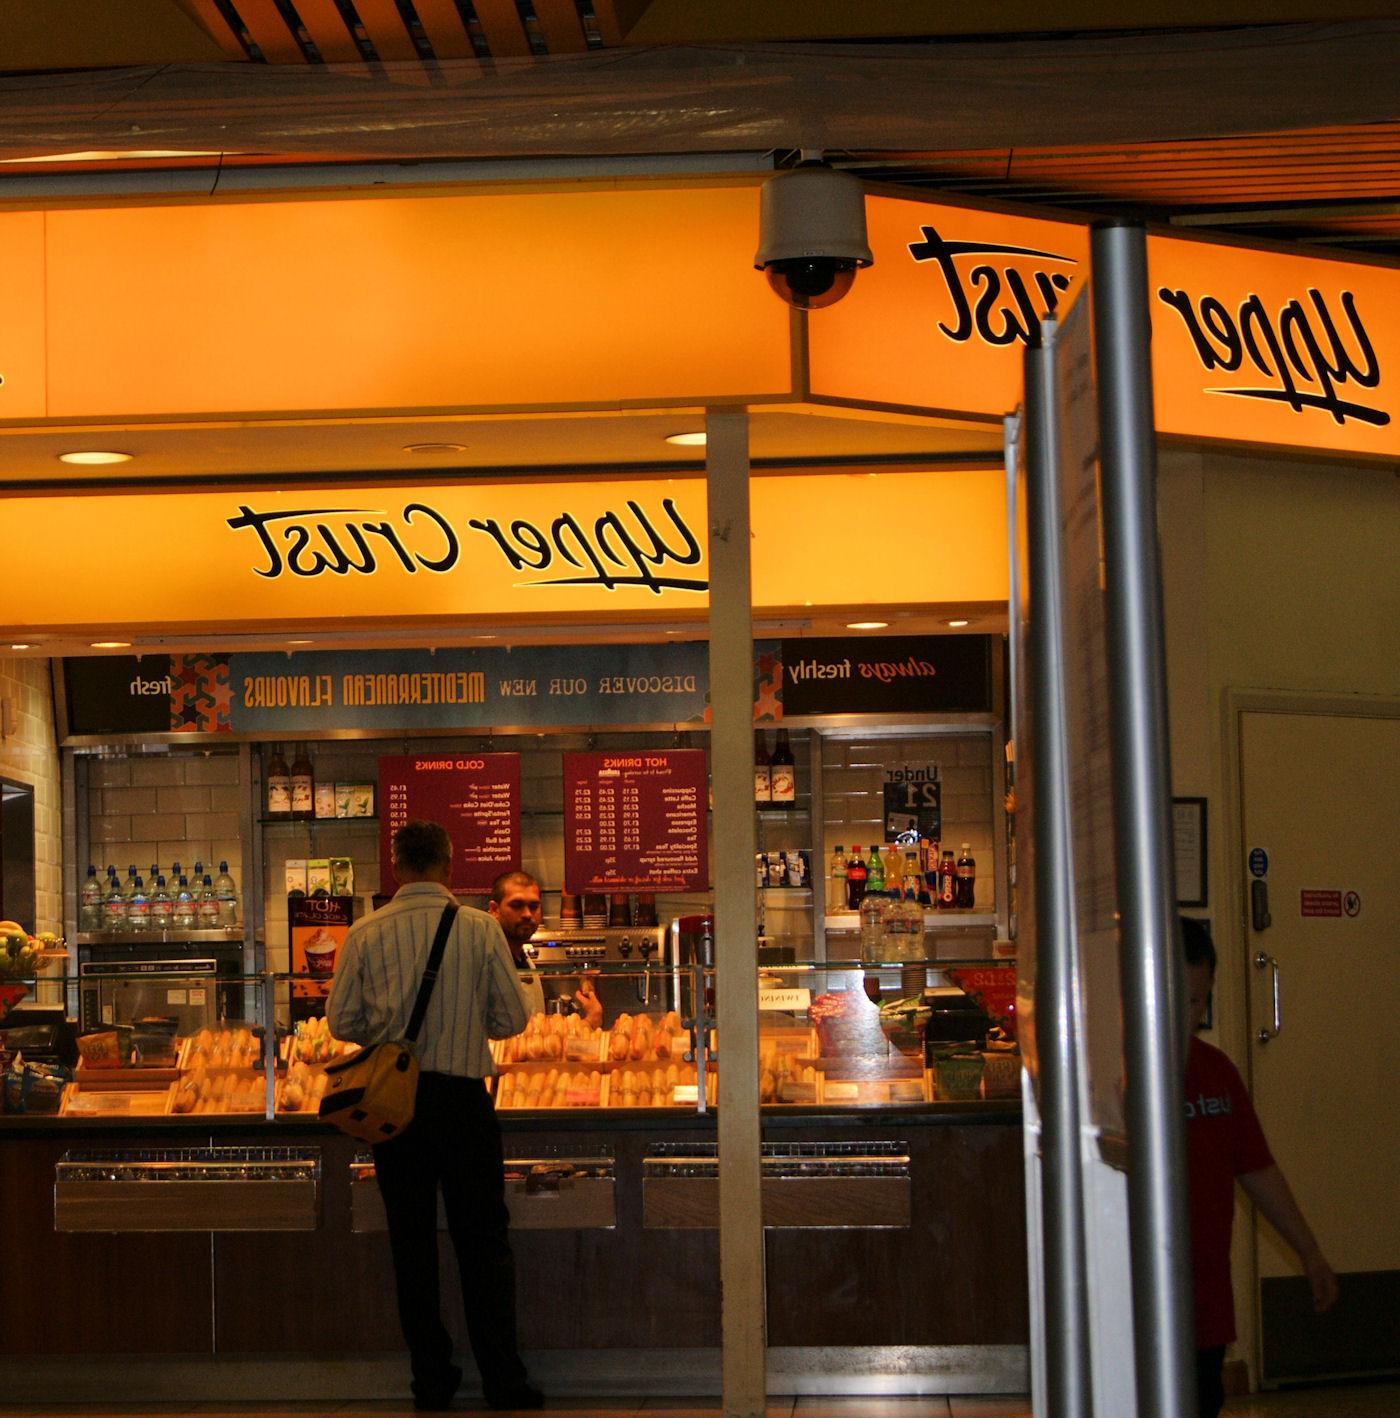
(636, 819)
(475, 796)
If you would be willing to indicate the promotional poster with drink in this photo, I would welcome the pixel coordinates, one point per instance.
(317, 928)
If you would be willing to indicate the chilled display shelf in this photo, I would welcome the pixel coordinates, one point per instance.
(933, 920)
(209, 936)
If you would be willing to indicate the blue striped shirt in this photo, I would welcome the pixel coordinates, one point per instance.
(477, 997)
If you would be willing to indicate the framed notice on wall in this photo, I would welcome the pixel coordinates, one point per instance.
(1189, 850)
(475, 796)
(636, 820)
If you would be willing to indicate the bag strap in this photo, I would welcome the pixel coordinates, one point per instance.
(430, 972)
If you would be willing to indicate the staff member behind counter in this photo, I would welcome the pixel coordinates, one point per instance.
(515, 903)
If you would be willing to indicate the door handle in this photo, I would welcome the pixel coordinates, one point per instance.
(1259, 904)
(1265, 961)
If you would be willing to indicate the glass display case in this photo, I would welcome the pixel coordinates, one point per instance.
(157, 1040)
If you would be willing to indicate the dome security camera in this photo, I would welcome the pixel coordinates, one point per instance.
(812, 234)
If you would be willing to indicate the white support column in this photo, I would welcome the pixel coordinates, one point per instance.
(741, 1269)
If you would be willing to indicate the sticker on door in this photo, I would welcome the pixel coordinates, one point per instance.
(1320, 903)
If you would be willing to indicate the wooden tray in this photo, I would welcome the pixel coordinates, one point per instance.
(84, 1101)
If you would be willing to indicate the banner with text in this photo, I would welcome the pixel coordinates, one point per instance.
(306, 693)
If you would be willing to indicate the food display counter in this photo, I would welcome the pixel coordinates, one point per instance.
(183, 1139)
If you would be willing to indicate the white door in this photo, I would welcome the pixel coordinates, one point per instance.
(1321, 798)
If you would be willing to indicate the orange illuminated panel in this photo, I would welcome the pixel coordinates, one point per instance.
(22, 391)
(545, 552)
(1265, 347)
(933, 537)
(940, 320)
(490, 301)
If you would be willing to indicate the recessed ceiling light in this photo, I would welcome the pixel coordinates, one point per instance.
(427, 449)
(866, 624)
(21, 645)
(957, 623)
(94, 457)
(111, 644)
(686, 440)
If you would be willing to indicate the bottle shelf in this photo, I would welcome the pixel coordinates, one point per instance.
(210, 936)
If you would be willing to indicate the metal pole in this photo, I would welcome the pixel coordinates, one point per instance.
(1158, 1236)
(1068, 1375)
(741, 1260)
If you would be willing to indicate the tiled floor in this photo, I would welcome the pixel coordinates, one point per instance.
(1342, 1401)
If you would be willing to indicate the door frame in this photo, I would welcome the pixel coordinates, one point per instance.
(1232, 907)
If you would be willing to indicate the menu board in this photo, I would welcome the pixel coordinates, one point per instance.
(636, 819)
(475, 796)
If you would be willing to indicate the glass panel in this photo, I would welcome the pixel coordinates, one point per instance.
(876, 1034)
(611, 1037)
(150, 1039)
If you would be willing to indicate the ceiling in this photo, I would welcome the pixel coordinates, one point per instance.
(1278, 118)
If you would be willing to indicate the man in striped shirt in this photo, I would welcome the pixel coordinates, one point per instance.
(454, 1141)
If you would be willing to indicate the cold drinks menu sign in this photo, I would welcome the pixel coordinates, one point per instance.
(635, 820)
(475, 796)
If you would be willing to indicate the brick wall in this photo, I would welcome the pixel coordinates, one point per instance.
(30, 755)
(163, 807)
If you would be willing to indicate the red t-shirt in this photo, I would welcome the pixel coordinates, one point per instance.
(1223, 1139)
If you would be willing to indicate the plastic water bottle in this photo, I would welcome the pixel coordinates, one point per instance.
(90, 902)
(138, 908)
(206, 909)
(162, 907)
(183, 916)
(874, 906)
(227, 895)
(114, 905)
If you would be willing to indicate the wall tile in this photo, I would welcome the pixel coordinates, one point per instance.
(109, 772)
(156, 771)
(216, 769)
(183, 799)
(130, 800)
(208, 825)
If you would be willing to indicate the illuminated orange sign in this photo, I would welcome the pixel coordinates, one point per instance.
(577, 298)
(630, 297)
(941, 319)
(536, 552)
(1247, 345)
(1262, 347)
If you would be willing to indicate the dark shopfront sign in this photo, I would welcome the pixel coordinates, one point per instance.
(897, 674)
(266, 694)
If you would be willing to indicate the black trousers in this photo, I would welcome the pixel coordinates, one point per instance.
(1210, 1381)
(453, 1143)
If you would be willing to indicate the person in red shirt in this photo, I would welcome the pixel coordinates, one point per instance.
(1225, 1143)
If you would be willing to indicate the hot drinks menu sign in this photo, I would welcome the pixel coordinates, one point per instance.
(475, 796)
(636, 820)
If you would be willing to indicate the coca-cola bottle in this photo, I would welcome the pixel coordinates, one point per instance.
(965, 890)
(855, 880)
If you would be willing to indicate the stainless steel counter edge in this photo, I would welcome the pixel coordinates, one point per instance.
(1006, 1112)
